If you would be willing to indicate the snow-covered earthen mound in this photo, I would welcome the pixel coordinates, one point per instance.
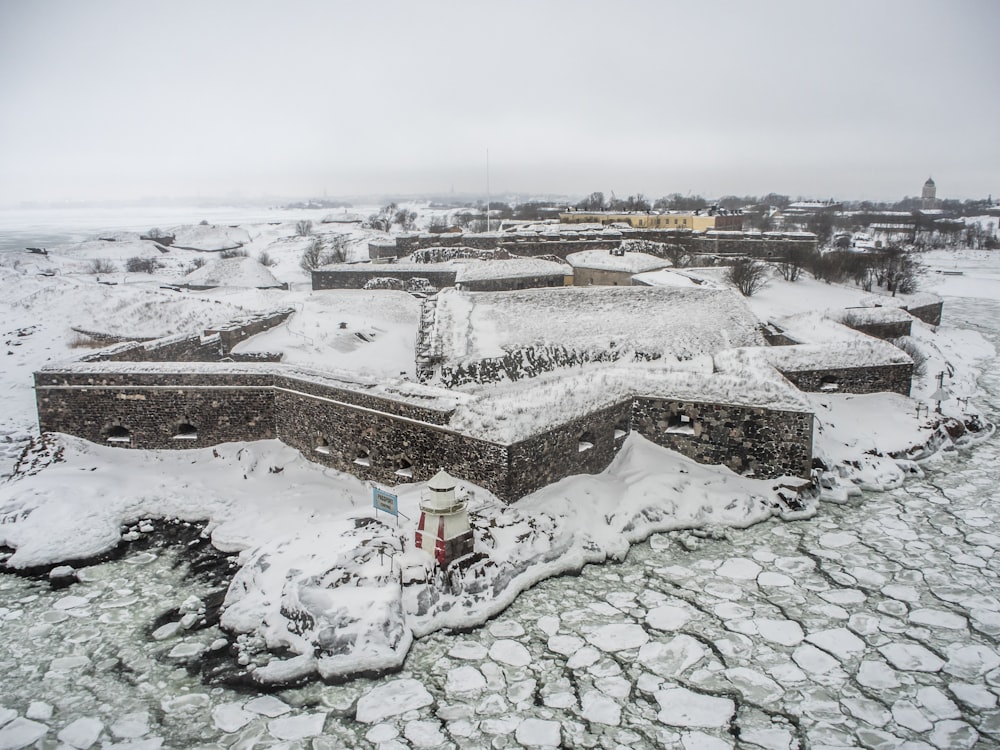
(209, 238)
(237, 272)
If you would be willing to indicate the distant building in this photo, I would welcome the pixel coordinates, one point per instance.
(698, 221)
(928, 196)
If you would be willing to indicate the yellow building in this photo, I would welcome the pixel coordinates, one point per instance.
(699, 221)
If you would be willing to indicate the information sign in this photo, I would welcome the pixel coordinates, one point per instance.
(382, 500)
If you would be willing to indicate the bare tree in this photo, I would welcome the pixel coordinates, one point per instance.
(747, 275)
(384, 219)
(102, 265)
(303, 227)
(405, 219)
(323, 252)
(312, 256)
(790, 267)
(898, 270)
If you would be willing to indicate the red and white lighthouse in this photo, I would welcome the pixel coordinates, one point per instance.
(444, 529)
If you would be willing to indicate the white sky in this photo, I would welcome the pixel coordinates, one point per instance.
(850, 99)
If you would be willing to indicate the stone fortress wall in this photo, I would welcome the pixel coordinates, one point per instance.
(109, 397)
(166, 407)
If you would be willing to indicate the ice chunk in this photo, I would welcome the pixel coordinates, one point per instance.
(510, 652)
(548, 624)
(837, 539)
(953, 735)
(565, 644)
(468, 650)
(667, 617)
(268, 705)
(538, 733)
(618, 637)
(840, 642)
(381, 733)
(876, 674)
(907, 715)
(424, 733)
(680, 707)
(230, 717)
(391, 699)
(131, 725)
(297, 727)
(869, 711)
(464, 680)
(81, 733)
(702, 741)
(938, 618)
(771, 579)
(583, 658)
(7, 714)
(970, 662)
(784, 632)
(506, 629)
(595, 706)
(938, 705)
(975, 696)
(911, 657)
(739, 568)
(71, 602)
(20, 733)
(39, 710)
(812, 660)
(754, 686)
(671, 658)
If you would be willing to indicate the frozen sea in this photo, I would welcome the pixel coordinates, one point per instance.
(874, 624)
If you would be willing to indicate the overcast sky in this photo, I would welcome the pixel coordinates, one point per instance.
(845, 99)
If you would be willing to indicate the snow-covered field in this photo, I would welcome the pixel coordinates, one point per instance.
(872, 624)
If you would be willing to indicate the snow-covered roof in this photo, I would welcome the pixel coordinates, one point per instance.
(816, 328)
(510, 412)
(678, 324)
(862, 352)
(670, 278)
(909, 301)
(605, 260)
(479, 270)
(872, 315)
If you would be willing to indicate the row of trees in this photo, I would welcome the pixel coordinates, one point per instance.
(893, 269)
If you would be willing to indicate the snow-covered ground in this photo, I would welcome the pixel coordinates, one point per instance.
(872, 624)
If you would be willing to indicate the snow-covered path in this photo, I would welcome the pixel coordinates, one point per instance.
(873, 624)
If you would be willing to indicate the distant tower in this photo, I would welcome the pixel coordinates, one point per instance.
(444, 529)
(928, 198)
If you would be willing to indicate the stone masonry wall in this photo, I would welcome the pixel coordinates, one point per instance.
(875, 379)
(929, 314)
(885, 331)
(509, 283)
(561, 452)
(234, 332)
(387, 449)
(354, 277)
(583, 276)
(155, 416)
(764, 442)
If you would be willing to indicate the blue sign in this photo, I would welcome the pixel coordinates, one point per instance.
(382, 500)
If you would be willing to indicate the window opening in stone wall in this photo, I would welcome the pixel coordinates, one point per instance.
(119, 434)
(363, 458)
(585, 442)
(621, 429)
(403, 467)
(322, 446)
(186, 431)
(680, 424)
(829, 383)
